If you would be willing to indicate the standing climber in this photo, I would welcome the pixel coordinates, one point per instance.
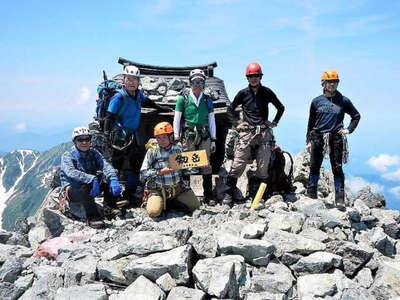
(194, 125)
(255, 132)
(326, 134)
(122, 127)
(83, 170)
(164, 187)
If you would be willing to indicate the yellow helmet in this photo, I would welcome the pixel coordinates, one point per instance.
(163, 128)
(330, 75)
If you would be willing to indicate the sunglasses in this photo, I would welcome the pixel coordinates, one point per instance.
(82, 140)
(253, 76)
(197, 83)
(332, 81)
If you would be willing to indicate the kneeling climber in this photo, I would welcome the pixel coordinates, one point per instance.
(83, 171)
(163, 185)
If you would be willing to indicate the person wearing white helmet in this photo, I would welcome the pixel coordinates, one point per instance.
(82, 171)
(123, 118)
(195, 110)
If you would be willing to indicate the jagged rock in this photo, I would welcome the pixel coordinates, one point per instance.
(146, 242)
(176, 84)
(80, 271)
(300, 188)
(18, 238)
(21, 226)
(204, 244)
(313, 222)
(10, 270)
(272, 200)
(308, 206)
(253, 231)
(364, 278)
(38, 234)
(264, 296)
(382, 242)
(176, 262)
(392, 230)
(142, 289)
(112, 270)
(292, 243)
(24, 282)
(289, 259)
(317, 262)
(221, 276)
(354, 257)
(275, 278)
(166, 282)
(55, 221)
(4, 236)
(9, 291)
(291, 222)
(316, 285)
(49, 280)
(88, 292)
(387, 280)
(184, 293)
(13, 250)
(361, 207)
(278, 206)
(315, 234)
(256, 252)
(370, 199)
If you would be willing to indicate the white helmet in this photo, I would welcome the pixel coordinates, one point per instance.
(78, 131)
(131, 71)
(197, 73)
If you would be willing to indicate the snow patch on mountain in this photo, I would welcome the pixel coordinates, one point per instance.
(5, 194)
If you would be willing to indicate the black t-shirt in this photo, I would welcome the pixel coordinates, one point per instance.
(255, 106)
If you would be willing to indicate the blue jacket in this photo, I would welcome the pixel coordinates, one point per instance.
(77, 170)
(327, 114)
(127, 109)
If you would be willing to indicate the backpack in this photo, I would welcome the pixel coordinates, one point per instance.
(105, 91)
(278, 181)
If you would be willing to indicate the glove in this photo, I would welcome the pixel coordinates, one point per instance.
(114, 186)
(95, 191)
(213, 148)
(344, 131)
(308, 147)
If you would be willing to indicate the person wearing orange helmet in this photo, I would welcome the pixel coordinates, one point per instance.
(255, 132)
(326, 134)
(164, 186)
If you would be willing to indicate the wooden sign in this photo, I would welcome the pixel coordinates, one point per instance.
(185, 160)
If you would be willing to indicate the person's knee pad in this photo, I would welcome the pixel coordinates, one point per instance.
(155, 206)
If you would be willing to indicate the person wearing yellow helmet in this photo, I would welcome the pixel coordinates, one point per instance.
(164, 186)
(326, 134)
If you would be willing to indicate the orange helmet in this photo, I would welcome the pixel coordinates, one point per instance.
(162, 128)
(330, 75)
(253, 68)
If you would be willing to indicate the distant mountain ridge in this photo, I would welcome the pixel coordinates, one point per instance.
(23, 175)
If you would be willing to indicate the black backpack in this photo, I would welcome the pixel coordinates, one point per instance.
(278, 181)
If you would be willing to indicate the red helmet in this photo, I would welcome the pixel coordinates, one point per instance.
(253, 68)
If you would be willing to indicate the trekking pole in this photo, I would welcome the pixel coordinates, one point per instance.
(260, 193)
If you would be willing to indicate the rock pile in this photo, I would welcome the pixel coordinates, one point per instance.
(294, 248)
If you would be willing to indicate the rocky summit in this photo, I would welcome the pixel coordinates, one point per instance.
(293, 247)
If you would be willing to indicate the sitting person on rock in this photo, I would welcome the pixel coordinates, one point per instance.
(164, 187)
(82, 171)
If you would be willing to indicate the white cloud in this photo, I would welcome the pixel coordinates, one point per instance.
(356, 183)
(20, 127)
(383, 161)
(84, 95)
(396, 191)
(394, 176)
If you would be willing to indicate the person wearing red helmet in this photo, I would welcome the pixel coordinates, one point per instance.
(326, 134)
(255, 132)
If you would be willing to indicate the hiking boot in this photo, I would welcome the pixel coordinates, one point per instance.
(210, 201)
(96, 223)
(122, 203)
(339, 201)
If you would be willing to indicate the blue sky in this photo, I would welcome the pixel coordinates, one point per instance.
(52, 54)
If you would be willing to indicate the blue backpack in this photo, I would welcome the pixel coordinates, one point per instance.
(105, 91)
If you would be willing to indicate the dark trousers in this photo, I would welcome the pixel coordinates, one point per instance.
(335, 156)
(82, 196)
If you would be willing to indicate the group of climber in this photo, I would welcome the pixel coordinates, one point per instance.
(85, 173)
